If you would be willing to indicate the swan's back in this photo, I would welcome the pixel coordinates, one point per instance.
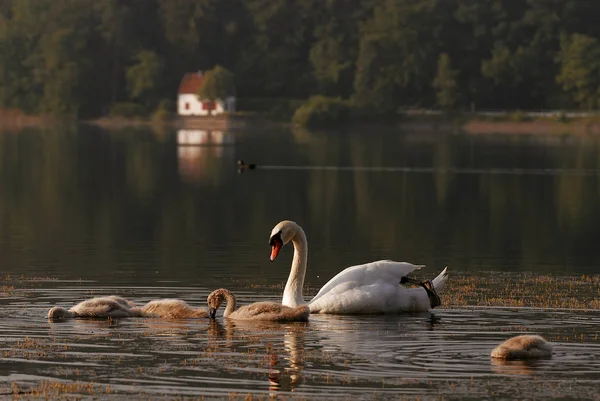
(104, 307)
(368, 274)
(271, 311)
(173, 309)
(526, 346)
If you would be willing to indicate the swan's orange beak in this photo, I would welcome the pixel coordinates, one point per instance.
(275, 248)
(276, 245)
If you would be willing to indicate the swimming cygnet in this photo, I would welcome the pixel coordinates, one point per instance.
(271, 311)
(172, 309)
(527, 346)
(111, 306)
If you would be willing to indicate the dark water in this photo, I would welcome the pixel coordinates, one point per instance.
(87, 212)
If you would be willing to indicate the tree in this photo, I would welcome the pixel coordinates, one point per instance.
(334, 48)
(144, 77)
(445, 84)
(218, 83)
(396, 56)
(579, 59)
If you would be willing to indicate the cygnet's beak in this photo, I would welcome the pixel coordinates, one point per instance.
(212, 313)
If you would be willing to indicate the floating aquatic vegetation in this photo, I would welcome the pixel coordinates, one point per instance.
(522, 290)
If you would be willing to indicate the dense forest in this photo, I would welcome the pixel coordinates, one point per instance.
(82, 57)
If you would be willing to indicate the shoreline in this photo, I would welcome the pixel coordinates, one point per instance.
(579, 126)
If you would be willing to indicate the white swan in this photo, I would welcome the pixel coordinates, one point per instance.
(270, 311)
(526, 346)
(111, 306)
(370, 288)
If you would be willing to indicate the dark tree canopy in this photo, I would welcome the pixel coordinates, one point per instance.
(80, 57)
(218, 83)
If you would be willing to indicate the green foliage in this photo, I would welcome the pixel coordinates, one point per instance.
(218, 83)
(144, 77)
(396, 57)
(445, 84)
(128, 110)
(164, 112)
(274, 108)
(321, 112)
(78, 57)
(167, 105)
(579, 59)
(518, 116)
(161, 116)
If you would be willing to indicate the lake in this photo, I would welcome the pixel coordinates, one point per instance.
(150, 214)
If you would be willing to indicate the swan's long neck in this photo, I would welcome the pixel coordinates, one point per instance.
(292, 295)
(231, 303)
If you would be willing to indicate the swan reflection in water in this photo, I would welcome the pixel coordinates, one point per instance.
(284, 359)
(289, 377)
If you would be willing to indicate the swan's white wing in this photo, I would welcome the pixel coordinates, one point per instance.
(381, 271)
(351, 297)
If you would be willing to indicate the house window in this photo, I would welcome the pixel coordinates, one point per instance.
(187, 106)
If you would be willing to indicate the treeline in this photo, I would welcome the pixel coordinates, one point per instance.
(83, 57)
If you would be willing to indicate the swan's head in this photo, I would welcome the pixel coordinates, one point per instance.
(214, 300)
(281, 234)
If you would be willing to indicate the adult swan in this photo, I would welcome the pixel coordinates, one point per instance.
(370, 288)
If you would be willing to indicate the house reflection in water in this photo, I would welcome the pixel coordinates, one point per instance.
(200, 154)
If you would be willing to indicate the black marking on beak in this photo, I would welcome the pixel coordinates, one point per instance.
(212, 313)
(276, 244)
(276, 238)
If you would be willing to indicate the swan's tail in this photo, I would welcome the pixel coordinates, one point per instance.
(440, 281)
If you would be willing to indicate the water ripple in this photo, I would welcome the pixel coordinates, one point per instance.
(444, 353)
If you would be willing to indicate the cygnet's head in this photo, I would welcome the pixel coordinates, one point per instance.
(214, 300)
(281, 234)
(57, 313)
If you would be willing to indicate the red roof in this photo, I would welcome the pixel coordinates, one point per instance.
(190, 83)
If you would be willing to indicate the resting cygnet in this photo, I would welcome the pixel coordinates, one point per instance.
(271, 311)
(525, 346)
(111, 306)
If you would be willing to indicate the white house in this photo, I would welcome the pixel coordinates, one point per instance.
(188, 103)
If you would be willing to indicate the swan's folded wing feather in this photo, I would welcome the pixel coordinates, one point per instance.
(367, 274)
(357, 298)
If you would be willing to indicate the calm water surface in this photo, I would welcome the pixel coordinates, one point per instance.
(86, 212)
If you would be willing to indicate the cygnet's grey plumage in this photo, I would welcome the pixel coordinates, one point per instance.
(270, 311)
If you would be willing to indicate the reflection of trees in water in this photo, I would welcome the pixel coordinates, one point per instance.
(418, 214)
(120, 190)
(62, 189)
